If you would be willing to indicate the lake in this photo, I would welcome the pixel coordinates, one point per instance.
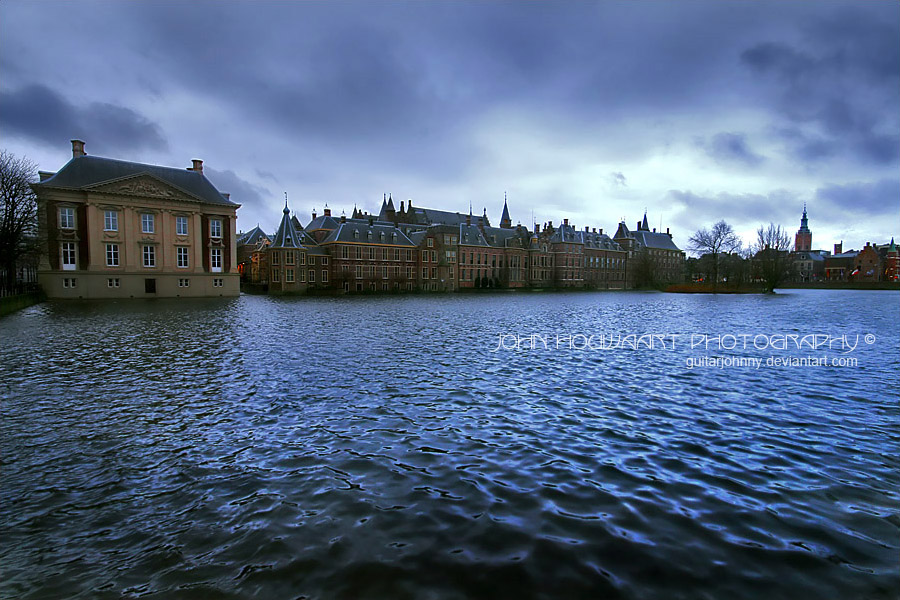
(580, 445)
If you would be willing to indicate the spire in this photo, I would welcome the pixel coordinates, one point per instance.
(505, 221)
(644, 225)
(286, 210)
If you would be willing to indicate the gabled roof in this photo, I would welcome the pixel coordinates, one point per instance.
(85, 172)
(565, 233)
(253, 237)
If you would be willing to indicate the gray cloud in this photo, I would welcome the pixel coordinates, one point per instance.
(36, 112)
(243, 192)
(731, 148)
(866, 199)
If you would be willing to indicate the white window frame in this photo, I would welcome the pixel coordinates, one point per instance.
(215, 260)
(66, 217)
(110, 220)
(182, 257)
(215, 228)
(112, 255)
(148, 256)
(68, 250)
(181, 225)
(148, 223)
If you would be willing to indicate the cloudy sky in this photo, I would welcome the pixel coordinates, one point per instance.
(695, 110)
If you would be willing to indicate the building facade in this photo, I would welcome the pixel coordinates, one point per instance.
(118, 229)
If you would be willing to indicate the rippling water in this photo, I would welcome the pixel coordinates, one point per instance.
(381, 448)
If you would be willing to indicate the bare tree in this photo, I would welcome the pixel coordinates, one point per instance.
(18, 214)
(720, 239)
(772, 255)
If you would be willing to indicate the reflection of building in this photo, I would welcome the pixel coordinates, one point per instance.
(116, 229)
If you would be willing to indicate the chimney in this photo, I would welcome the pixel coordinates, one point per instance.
(198, 165)
(638, 225)
(401, 206)
(227, 195)
(314, 215)
(587, 229)
(549, 225)
(537, 228)
(469, 220)
(371, 221)
(343, 218)
(654, 230)
(668, 233)
(326, 212)
(78, 149)
(565, 221)
(839, 247)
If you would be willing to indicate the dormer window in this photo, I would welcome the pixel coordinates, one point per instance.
(394, 237)
(368, 235)
(355, 234)
(382, 236)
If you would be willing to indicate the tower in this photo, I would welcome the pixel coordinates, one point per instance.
(803, 239)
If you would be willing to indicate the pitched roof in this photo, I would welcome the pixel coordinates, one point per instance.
(362, 231)
(253, 237)
(651, 239)
(287, 235)
(431, 216)
(84, 172)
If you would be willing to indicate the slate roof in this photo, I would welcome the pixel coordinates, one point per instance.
(85, 172)
(323, 222)
(648, 239)
(287, 235)
(431, 216)
(382, 233)
(253, 237)
(470, 235)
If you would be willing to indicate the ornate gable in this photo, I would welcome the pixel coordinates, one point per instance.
(144, 185)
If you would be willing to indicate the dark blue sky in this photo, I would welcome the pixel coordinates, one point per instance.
(695, 110)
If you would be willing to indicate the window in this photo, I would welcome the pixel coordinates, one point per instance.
(424, 272)
(289, 276)
(148, 224)
(69, 282)
(324, 276)
(345, 251)
(67, 218)
(215, 228)
(68, 256)
(215, 260)
(312, 260)
(110, 220)
(302, 275)
(324, 261)
(276, 275)
(182, 260)
(312, 276)
(112, 282)
(149, 254)
(218, 282)
(181, 225)
(302, 258)
(183, 283)
(289, 257)
(359, 271)
(112, 255)
(276, 258)
(430, 242)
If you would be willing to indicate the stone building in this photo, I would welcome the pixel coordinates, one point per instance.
(118, 229)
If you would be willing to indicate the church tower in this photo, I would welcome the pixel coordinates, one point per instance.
(803, 239)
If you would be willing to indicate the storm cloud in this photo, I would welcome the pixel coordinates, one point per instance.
(746, 109)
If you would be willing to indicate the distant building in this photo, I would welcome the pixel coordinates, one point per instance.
(117, 229)
(653, 256)
(803, 237)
